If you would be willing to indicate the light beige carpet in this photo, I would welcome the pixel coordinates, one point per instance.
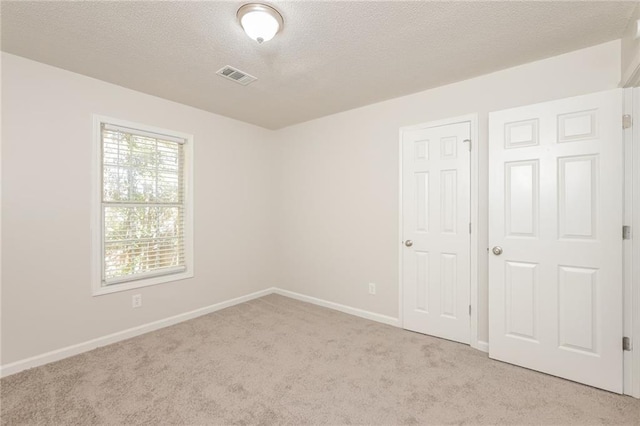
(279, 361)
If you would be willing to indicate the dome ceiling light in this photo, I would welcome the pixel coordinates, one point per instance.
(259, 21)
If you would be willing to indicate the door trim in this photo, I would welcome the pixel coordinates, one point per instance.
(631, 362)
(472, 119)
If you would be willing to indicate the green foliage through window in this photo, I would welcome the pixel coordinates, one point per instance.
(142, 205)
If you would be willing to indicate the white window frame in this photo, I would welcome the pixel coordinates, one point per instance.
(97, 231)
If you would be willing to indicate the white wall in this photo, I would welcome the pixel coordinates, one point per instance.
(46, 172)
(339, 177)
(630, 54)
(312, 208)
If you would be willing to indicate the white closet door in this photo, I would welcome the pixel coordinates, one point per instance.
(555, 230)
(436, 212)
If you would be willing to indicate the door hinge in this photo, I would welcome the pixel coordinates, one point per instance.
(469, 310)
(469, 142)
(626, 232)
(469, 227)
(627, 122)
(626, 344)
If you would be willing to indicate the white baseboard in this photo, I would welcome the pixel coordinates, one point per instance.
(481, 346)
(338, 307)
(58, 354)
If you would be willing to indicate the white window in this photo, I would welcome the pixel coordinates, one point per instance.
(143, 233)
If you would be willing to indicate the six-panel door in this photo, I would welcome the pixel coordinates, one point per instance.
(436, 212)
(555, 210)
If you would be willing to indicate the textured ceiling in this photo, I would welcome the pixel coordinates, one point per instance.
(331, 56)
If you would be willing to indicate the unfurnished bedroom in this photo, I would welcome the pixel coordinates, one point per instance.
(320, 212)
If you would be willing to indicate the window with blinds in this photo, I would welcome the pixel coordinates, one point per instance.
(143, 204)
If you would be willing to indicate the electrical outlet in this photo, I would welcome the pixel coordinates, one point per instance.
(372, 288)
(136, 300)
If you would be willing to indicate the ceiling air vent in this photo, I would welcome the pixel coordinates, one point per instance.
(236, 75)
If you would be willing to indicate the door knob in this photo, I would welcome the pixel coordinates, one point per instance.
(408, 243)
(497, 250)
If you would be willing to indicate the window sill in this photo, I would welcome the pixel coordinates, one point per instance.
(99, 290)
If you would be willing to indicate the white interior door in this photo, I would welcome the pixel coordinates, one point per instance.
(555, 213)
(436, 212)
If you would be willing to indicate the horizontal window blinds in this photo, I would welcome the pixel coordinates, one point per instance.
(143, 204)
(152, 135)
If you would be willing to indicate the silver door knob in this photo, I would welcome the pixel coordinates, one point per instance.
(408, 243)
(497, 250)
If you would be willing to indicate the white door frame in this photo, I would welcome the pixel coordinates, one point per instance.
(631, 251)
(472, 119)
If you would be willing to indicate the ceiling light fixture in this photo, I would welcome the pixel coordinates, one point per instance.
(259, 21)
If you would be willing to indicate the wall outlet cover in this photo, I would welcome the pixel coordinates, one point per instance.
(136, 300)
